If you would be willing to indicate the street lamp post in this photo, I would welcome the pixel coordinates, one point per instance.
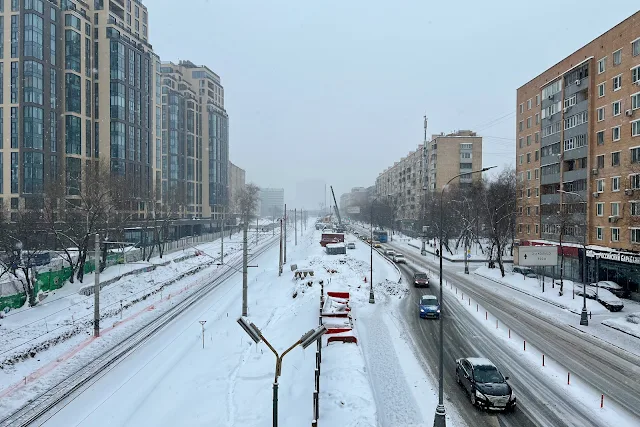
(305, 341)
(372, 299)
(440, 419)
(584, 318)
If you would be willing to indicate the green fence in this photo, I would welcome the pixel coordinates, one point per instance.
(13, 301)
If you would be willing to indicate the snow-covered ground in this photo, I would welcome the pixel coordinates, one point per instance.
(629, 324)
(52, 332)
(172, 380)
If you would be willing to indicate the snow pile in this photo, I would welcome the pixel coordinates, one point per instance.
(630, 324)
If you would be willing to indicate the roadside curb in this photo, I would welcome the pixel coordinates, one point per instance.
(620, 329)
(564, 307)
(392, 263)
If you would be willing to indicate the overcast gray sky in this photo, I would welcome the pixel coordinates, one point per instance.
(336, 89)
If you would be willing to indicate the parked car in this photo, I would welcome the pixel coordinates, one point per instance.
(377, 245)
(484, 383)
(429, 307)
(525, 271)
(399, 259)
(609, 300)
(616, 289)
(389, 252)
(590, 291)
(351, 245)
(420, 280)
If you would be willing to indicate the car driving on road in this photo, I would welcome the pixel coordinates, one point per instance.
(389, 252)
(484, 383)
(351, 245)
(399, 259)
(525, 271)
(420, 280)
(429, 307)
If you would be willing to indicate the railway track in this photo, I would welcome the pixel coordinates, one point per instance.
(47, 401)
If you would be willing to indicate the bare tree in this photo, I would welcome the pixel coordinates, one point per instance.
(247, 201)
(499, 206)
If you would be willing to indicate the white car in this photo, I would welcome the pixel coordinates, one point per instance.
(389, 252)
(616, 289)
(399, 259)
(351, 245)
(609, 300)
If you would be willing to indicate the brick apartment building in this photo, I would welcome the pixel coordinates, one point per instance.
(578, 157)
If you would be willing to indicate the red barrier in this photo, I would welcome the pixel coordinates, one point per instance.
(337, 330)
(344, 295)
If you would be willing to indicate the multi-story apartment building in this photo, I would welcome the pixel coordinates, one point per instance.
(353, 202)
(77, 90)
(578, 157)
(194, 122)
(271, 202)
(237, 177)
(401, 186)
(449, 155)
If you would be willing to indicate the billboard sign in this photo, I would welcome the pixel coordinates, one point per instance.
(537, 255)
(353, 210)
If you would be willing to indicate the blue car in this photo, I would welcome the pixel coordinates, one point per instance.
(429, 307)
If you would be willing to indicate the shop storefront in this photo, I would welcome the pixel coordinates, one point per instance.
(620, 267)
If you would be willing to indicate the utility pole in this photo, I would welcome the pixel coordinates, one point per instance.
(257, 231)
(295, 224)
(222, 239)
(285, 233)
(280, 258)
(244, 265)
(96, 288)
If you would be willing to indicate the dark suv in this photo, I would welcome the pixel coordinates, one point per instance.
(421, 280)
(485, 384)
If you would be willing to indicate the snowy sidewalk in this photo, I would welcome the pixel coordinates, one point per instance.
(394, 398)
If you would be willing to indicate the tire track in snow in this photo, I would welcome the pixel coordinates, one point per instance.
(395, 404)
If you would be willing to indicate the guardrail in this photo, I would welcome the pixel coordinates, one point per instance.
(316, 390)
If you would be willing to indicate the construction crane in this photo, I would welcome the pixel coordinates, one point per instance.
(335, 205)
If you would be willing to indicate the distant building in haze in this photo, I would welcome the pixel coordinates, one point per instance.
(271, 202)
(236, 184)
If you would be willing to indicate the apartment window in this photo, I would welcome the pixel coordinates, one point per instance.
(577, 119)
(14, 82)
(537, 118)
(635, 74)
(600, 161)
(33, 82)
(520, 125)
(617, 82)
(465, 155)
(600, 185)
(537, 137)
(600, 112)
(617, 57)
(601, 90)
(615, 234)
(635, 235)
(529, 192)
(615, 158)
(33, 127)
(72, 50)
(602, 65)
(520, 142)
(537, 192)
(73, 135)
(552, 89)
(615, 133)
(615, 107)
(537, 228)
(14, 127)
(52, 42)
(635, 208)
(15, 35)
(537, 100)
(33, 43)
(137, 12)
(598, 233)
(536, 173)
(615, 209)
(528, 140)
(600, 209)
(635, 47)
(15, 167)
(537, 155)
(528, 122)
(635, 128)
(520, 159)
(466, 146)
(528, 157)
(570, 102)
(600, 137)
(634, 181)
(615, 183)
(635, 101)
(574, 142)
(33, 172)
(73, 95)
(73, 175)
(635, 154)
(528, 175)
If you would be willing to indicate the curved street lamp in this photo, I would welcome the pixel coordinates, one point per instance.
(440, 417)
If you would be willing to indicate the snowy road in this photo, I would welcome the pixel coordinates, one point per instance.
(541, 402)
